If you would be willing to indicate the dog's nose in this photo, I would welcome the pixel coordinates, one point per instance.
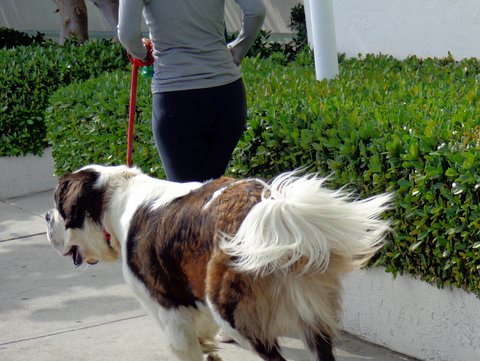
(48, 216)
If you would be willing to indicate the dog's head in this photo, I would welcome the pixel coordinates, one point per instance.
(75, 226)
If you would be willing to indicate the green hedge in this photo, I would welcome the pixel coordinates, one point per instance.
(29, 74)
(410, 127)
(10, 38)
(87, 123)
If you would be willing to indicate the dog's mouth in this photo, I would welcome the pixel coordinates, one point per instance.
(76, 256)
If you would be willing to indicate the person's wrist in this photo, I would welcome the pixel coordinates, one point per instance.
(148, 61)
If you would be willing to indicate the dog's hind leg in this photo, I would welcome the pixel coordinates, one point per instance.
(242, 305)
(267, 352)
(319, 345)
(206, 331)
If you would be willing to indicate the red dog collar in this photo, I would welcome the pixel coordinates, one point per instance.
(107, 235)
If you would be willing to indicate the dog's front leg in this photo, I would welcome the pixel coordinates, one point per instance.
(179, 328)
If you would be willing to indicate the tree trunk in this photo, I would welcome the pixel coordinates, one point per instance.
(74, 17)
(109, 9)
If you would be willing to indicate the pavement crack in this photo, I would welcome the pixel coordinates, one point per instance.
(32, 213)
(71, 331)
(22, 237)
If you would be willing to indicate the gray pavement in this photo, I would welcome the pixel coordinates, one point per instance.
(50, 311)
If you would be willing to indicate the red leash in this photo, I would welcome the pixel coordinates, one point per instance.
(136, 63)
(131, 113)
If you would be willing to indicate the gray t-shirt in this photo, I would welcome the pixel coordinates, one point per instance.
(188, 37)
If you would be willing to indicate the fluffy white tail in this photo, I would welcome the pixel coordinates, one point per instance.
(299, 220)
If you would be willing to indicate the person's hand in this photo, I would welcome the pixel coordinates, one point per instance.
(149, 59)
(147, 42)
(237, 57)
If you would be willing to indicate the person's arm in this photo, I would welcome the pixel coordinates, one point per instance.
(253, 16)
(129, 28)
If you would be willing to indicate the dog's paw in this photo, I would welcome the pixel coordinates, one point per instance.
(212, 357)
(224, 337)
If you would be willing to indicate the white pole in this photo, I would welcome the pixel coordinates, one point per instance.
(308, 20)
(324, 42)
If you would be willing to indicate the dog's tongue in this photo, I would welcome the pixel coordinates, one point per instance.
(77, 258)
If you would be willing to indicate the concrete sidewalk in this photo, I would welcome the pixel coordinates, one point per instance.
(51, 311)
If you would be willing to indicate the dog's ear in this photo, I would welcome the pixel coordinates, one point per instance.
(76, 198)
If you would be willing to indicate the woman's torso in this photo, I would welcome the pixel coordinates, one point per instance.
(189, 44)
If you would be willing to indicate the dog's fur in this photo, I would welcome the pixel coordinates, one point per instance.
(260, 260)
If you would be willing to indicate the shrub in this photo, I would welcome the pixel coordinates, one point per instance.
(30, 74)
(87, 123)
(298, 25)
(10, 38)
(410, 127)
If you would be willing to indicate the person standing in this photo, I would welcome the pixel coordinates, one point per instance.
(199, 103)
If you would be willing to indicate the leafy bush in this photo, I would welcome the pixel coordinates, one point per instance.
(30, 74)
(87, 123)
(410, 127)
(298, 25)
(10, 38)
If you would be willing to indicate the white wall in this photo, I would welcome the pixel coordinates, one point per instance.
(411, 316)
(26, 175)
(426, 28)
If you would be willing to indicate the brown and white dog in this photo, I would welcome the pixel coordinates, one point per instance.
(260, 260)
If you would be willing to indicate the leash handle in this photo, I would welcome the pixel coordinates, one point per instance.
(148, 61)
(131, 112)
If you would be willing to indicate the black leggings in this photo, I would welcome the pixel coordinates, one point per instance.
(197, 130)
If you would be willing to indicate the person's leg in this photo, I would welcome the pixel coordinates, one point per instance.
(181, 128)
(196, 130)
(230, 122)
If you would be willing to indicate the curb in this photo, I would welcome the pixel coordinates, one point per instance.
(25, 175)
(411, 316)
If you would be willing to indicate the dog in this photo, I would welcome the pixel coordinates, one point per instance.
(258, 259)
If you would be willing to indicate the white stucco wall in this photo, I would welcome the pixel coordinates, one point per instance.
(426, 28)
(411, 316)
(25, 175)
